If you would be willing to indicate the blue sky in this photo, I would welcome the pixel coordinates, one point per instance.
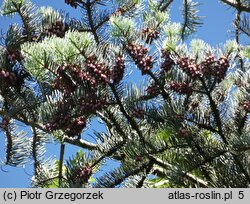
(217, 29)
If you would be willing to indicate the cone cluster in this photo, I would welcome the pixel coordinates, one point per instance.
(189, 66)
(139, 55)
(81, 175)
(62, 120)
(150, 34)
(118, 69)
(72, 3)
(217, 68)
(64, 82)
(8, 78)
(183, 132)
(96, 72)
(167, 62)
(5, 122)
(119, 12)
(246, 106)
(90, 104)
(181, 88)
(152, 90)
(57, 29)
(138, 113)
(14, 54)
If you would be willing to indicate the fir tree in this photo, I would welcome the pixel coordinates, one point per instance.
(187, 125)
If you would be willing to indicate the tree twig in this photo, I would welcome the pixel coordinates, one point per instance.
(163, 7)
(220, 130)
(80, 143)
(34, 150)
(91, 22)
(237, 6)
(61, 159)
(173, 168)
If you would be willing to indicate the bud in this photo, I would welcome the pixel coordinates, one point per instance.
(167, 60)
(118, 12)
(72, 3)
(179, 117)
(153, 90)
(75, 126)
(138, 113)
(183, 132)
(221, 68)
(14, 54)
(181, 88)
(246, 106)
(138, 158)
(150, 34)
(8, 78)
(5, 123)
(82, 175)
(206, 66)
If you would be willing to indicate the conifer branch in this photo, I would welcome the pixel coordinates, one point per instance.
(9, 146)
(122, 175)
(91, 22)
(40, 183)
(131, 121)
(60, 167)
(34, 150)
(25, 12)
(147, 171)
(244, 26)
(237, 6)
(165, 95)
(237, 24)
(109, 153)
(204, 126)
(195, 145)
(209, 160)
(191, 20)
(80, 143)
(215, 111)
(116, 125)
(164, 6)
(237, 30)
(220, 130)
(185, 24)
(173, 168)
